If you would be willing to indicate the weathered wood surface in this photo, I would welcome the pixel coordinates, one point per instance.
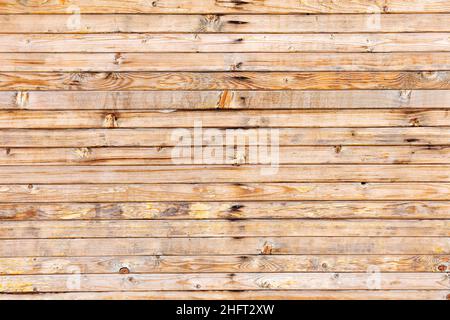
(347, 80)
(207, 42)
(81, 62)
(242, 295)
(228, 6)
(223, 192)
(225, 119)
(227, 264)
(223, 173)
(230, 23)
(225, 246)
(166, 156)
(424, 136)
(98, 99)
(220, 281)
(222, 228)
(226, 210)
(203, 100)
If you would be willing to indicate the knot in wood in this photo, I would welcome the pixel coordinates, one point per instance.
(267, 248)
(110, 121)
(442, 268)
(124, 270)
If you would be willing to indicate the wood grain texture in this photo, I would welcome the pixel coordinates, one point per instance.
(105, 179)
(225, 264)
(228, 6)
(225, 119)
(224, 80)
(241, 295)
(166, 156)
(222, 228)
(223, 192)
(230, 23)
(81, 62)
(223, 174)
(424, 136)
(226, 210)
(214, 281)
(242, 42)
(225, 246)
(203, 100)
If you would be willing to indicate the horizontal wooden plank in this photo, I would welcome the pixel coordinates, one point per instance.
(220, 281)
(228, 264)
(223, 192)
(346, 80)
(224, 246)
(224, 173)
(167, 156)
(227, 6)
(230, 23)
(225, 119)
(221, 228)
(80, 62)
(224, 42)
(227, 210)
(200, 100)
(168, 137)
(240, 295)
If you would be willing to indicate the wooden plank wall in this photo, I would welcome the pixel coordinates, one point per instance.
(360, 93)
